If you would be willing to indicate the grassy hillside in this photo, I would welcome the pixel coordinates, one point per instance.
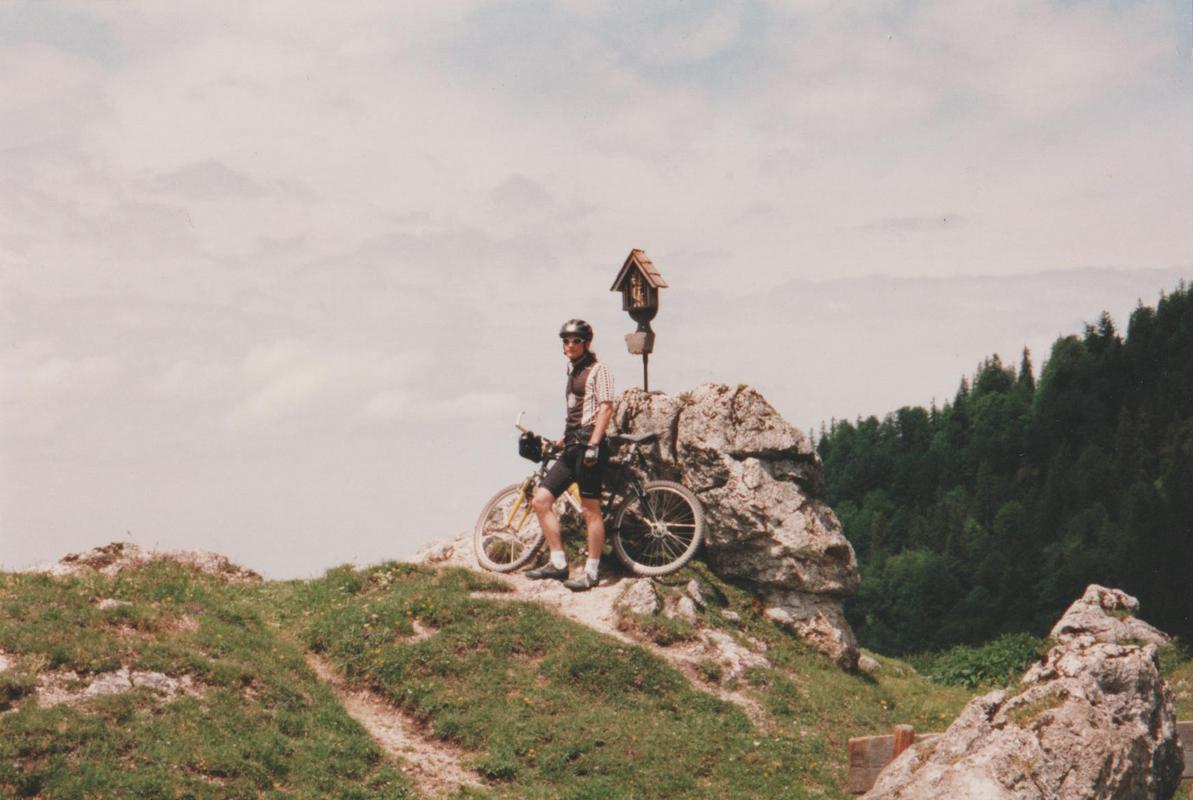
(537, 706)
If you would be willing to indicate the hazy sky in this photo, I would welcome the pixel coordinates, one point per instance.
(276, 277)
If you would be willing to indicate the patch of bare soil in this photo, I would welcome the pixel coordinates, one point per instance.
(434, 766)
(56, 687)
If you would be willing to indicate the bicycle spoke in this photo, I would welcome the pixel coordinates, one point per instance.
(658, 529)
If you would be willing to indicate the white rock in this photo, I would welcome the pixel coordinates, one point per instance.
(1106, 615)
(762, 488)
(733, 657)
(696, 592)
(1093, 721)
(868, 665)
(818, 620)
(109, 602)
(452, 552)
(639, 597)
(684, 609)
(112, 558)
(109, 683)
(158, 682)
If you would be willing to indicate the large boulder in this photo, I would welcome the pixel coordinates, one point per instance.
(1091, 721)
(1109, 616)
(762, 487)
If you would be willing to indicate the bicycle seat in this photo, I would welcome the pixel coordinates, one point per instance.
(635, 438)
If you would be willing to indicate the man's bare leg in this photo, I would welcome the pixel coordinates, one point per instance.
(557, 567)
(596, 542)
(544, 508)
(595, 525)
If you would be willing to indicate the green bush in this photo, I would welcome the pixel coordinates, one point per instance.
(1173, 655)
(999, 662)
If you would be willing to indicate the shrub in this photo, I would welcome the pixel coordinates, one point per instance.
(998, 662)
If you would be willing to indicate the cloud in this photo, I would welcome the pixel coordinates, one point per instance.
(470, 405)
(36, 373)
(680, 36)
(230, 223)
(208, 180)
(520, 194)
(291, 378)
(188, 380)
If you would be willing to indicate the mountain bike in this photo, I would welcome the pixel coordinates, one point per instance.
(655, 526)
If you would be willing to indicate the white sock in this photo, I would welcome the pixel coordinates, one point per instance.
(558, 559)
(592, 566)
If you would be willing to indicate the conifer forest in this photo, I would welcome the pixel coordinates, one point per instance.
(991, 514)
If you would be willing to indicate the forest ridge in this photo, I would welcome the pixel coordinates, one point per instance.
(990, 514)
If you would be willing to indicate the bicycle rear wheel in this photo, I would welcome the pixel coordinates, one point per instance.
(507, 535)
(661, 535)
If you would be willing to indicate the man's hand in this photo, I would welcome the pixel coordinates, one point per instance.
(591, 454)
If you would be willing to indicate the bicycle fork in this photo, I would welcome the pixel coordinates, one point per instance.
(521, 504)
(643, 503)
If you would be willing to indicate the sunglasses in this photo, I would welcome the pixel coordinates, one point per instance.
(570, 340)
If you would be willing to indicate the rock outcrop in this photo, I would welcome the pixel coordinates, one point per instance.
(112, 558)
(456, 552)
(1108, 615)
(1092, 721)
(763, 492)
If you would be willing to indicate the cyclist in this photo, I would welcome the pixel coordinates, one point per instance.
(589, 394)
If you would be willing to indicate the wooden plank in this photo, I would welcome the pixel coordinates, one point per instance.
(1184, 732)
(904, 738)
(869, 755)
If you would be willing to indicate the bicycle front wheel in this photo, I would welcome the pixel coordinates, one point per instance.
(660, 532)
(507, 535)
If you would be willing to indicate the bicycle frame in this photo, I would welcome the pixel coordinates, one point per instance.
(572, 493)
(657, 523)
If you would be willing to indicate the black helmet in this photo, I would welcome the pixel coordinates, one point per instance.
(578, 328)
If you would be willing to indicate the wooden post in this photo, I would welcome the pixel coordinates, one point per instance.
(904, 738)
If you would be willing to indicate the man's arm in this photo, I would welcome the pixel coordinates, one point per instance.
(603, 415)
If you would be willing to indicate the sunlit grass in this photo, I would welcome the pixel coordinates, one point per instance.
(256, 725)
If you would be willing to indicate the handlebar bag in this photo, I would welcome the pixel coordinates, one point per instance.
(530, 446)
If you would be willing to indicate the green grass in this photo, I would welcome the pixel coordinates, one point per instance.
(544, 707)
(551, 709)
(260, 725)
(805, 691)
(537, 705)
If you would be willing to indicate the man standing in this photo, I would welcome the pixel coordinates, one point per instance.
(589, 395)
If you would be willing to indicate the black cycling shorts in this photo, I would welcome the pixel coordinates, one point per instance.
(570, 469)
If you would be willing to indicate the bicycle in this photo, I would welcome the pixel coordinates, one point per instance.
(655, 528)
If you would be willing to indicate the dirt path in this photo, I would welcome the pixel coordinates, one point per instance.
(434, 767)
